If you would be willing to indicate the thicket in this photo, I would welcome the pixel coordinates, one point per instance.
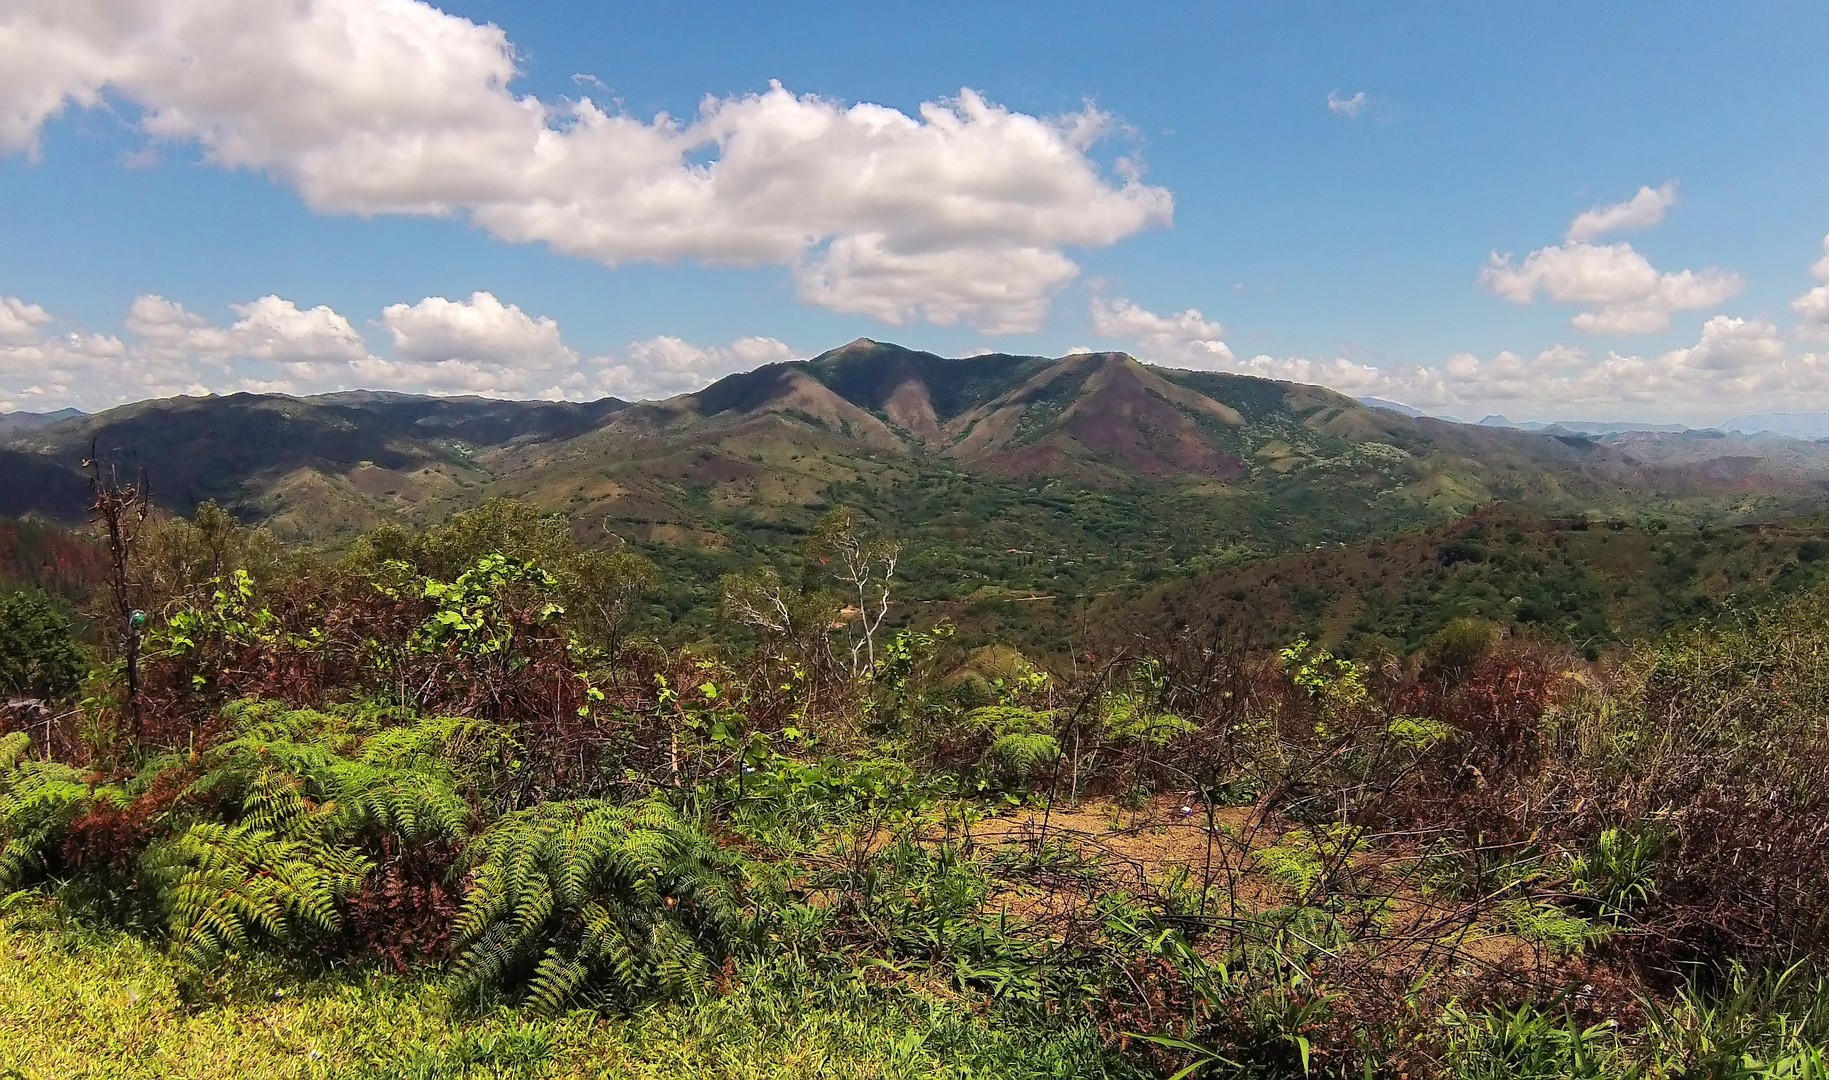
(468, 753)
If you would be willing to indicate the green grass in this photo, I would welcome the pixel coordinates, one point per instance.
(84, 1004)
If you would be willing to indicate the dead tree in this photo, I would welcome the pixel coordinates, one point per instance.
(121, 510)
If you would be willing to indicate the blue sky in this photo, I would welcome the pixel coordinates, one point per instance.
(188, 175)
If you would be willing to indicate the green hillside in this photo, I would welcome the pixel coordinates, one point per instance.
(1006, 477)
(1591, 583)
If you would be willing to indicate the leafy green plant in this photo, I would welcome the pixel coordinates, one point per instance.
(228, 886)
(1458, 646)
(230, 617)
(1302, 857)
(1549, 925)
(400, 782)
(1021, 740)
(38, 801)
(1260, 1015)
(39, 656)
(1530, 1042)
(1770, 1024)
(471, 614)
(1130, 718)
(280, 831)
(589, 901)
(1620, 872)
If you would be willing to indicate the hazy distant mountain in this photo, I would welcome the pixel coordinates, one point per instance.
(1729, 458)
(1394, 406)
(1578, 427)
(1798, 425)
(13, 423)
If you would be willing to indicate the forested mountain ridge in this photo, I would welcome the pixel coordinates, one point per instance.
(319, 464)
(1068, 474)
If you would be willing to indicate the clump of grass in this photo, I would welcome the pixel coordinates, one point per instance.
(76, 1003)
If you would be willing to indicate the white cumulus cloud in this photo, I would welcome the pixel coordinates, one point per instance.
(1734, 365)
(961, 212)
(665, 365)
(20, 321)
(481, 329)
(311, 345)
(1188, 339)
(1622, 292)
(1185, 338)
(478, 345)
(1812, 307)
(997, 289)
(1640, 211)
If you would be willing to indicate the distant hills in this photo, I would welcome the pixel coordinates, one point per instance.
(1007, 474)
(871, 416)
(1578, 427)
(12, 423)
(1102, 420)
(1804, 425)
(265, 455)
(1399, 407)
(1800, 425)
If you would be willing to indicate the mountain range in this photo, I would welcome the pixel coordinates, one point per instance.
(1005, 472)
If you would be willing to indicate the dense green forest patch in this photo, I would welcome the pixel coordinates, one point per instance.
(1589, 583)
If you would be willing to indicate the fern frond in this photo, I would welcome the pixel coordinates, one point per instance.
(227, 884)
(13, 748)
(587, 899)
(1020, 754)
(38, 801)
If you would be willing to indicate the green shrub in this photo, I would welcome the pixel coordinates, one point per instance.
(1458, 646)
(1022, 741)
(290, 818)
(39, 656)
(38, 801)
(225, 887)
(589, 901)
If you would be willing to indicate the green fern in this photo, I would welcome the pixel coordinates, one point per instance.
(1129, 718)
(399, 784)
(1301, 856)
(227, 885)
(1021, 754)
(1022, 739)
(1549, 925)
(13, 748)
(304, 793)
(278, 874)
(38, 801)
(589, 901)
(1005, 719)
